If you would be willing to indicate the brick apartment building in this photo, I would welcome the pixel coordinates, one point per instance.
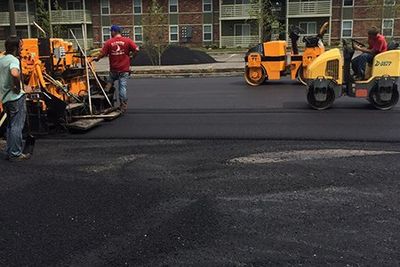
(222, 23)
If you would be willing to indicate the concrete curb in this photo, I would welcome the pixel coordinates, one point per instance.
(157, 73)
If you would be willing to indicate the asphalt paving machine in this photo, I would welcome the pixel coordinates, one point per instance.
(63, 90)
(269, 60)
(329, 77)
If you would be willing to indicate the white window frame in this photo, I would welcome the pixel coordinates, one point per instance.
(348, 5)
(248, 25)
(169, 6)
(141, 7)
(105, 6)
(134, 34)
(177, 34)
(77, 32)
(211, 32)
(102, 34)
(209, 2)
(386, 4)
(383, 28)
(352, 28)
(74, 2)
(308, 23)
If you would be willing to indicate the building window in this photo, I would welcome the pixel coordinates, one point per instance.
(106, 33)
(173, 33)
(389, 2)
(242, 30)
(242, 2)
(347, 28)
(173, 6)
(207, 32)
(20, 6)
(309, 27)
(348, 2)
(138, 34)
(105, 7)
(207, 6)
(387, 27)
(137, 6)
(77, 32)
(74, 5)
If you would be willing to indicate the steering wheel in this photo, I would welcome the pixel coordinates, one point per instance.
(357, 42)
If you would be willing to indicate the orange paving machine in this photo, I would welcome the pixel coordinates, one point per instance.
(269, 60)
(63, 90)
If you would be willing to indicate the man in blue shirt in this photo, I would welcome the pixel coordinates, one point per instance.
(13, 98)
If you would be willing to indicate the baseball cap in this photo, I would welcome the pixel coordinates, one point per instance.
(116, 28)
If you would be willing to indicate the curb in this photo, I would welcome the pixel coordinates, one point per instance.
(186, 73)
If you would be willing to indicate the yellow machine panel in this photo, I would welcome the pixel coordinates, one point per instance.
(310, 54)
(328, 65)
(387, 63)
(275, 48)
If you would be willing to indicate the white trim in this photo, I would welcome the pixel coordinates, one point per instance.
(169, 7)
(211, 4)
(141, 7)
(212, 32)
(108, 6)
(383, 28)
(134, 34)
(102, 33)
(347, 6)
(177, 34)
(352, 27)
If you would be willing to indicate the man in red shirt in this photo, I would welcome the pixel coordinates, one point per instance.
(119, 49)
(377, 44)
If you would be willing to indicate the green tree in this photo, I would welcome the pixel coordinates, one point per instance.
(43, 17)
(155, 31)
(266, 14)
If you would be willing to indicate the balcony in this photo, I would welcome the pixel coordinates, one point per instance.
(242, 41)
(71, 16)
(241, 11)
(310, 8)
(80, 41)
(21, 18)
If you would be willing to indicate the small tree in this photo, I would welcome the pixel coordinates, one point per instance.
(43, 17)
(155, 32)
(267, 17)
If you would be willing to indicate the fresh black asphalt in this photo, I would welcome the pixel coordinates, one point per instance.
(175, 198)
(227, 108)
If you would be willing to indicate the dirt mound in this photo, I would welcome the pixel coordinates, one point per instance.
(175, 55)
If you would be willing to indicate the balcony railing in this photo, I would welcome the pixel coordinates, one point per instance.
(310, 8)
(80, 41)
(21, 18)
(239, 11)
(71, 16)
(239, 41)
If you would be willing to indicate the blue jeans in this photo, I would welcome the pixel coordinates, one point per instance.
(359, 64)
(122, 78)
(16, 113)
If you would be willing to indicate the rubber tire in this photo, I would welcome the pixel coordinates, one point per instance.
(300, 75)
(321, 105)
(254, 83)
(387, 105)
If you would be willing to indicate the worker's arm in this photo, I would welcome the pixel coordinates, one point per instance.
(364, 49)
(104, 51)
(134, 49)
(99, 56)
(16, 80)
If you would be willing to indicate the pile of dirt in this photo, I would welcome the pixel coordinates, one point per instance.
(175, 55)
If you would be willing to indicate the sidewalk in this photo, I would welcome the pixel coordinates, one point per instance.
(227, 65)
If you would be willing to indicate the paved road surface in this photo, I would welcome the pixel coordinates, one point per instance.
(108, 199)
(228, 108)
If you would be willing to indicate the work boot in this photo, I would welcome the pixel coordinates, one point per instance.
(21, 157)
(123, 106)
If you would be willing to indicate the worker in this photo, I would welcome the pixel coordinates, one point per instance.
(120, 50)
(377, 44)
(13, 98)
